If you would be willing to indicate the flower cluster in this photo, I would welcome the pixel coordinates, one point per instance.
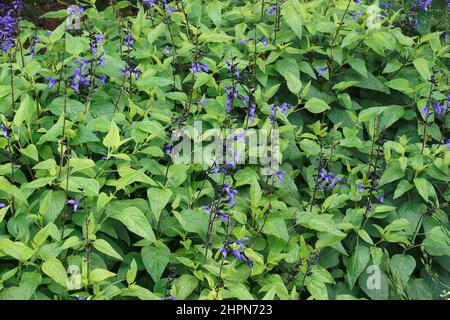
(231, 194)
(272, 9)
(232, 67)
(199, 67)
(284, 107)
(424, 4)
(263, 41)
(238, 254)
(231, 93)
(320, 71)
(126, 72)
(8, 28)
(4, 131)
(74, 203)
(327, 180)
(223, 216)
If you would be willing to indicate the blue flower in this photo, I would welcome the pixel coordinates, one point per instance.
(240, 136)
(380, 199)
(2, 205)
(356, 15)
(280, 175)
(327, 180)
(361, 187)
(357, 2)
(385, 5)
(102, 80)
(448, 143)
(137, 71)
(202, 103)
(4, 131)
(8, 30)
(199, 67)
(231, 194)
(320, 71)
(251, 113)
(129, 41)
(425, 111)
(168, 149)
(264, 41)
(74, 204)
(439, 108)
(424, 4)
(233, 68)
(271, 10)
(51, 81)
(167, 50)
(151, 3)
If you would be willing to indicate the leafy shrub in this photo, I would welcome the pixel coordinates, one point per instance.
(94, 206)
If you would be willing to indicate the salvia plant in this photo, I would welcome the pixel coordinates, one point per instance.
(352, 96)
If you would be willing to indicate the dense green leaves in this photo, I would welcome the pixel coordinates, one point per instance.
(105, 192)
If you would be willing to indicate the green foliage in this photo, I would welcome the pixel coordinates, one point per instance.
(93, 206)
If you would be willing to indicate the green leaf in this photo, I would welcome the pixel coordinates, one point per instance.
(112, 138)
(31, 152)
(17, 250)
(99, 275)
(158, 199)
(56, 271)
(316, 105)
(131, 274)
(76, 45)
(293, 82)
(104, 247)
(392, 172)
(255, 193)
(357, 263)
(422, 67)
(155, 260)
(184, 286)
(136, 222)
(437, 242)
(193, 221)
(276, 226)
(422, 186)
(358, 65)
(293, 20)
(214, 11)
(146, 83)
(25, 112)
(402, 266)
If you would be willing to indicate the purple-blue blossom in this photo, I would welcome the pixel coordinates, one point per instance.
(251, 112)
(168, 148)
(280, 175)
(424, 4)
(5, 131)
(74, 204)
(232, 67)
(327, 180)
(8, 28)
(231, 194)
(264, 41)
(425, 111)
(129, 41)
(320, 71)
(271, 10)
(380, 198)
(439, 108)
(51, 82)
